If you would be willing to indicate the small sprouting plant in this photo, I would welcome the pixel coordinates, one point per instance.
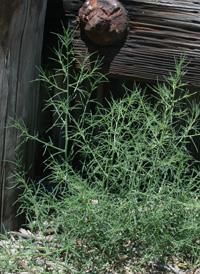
(135, 192)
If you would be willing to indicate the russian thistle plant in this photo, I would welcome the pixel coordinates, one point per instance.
(136, 191)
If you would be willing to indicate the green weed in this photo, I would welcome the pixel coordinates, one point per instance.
(135, 195)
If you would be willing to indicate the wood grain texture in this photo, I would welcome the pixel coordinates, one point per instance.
(159, 31)
(21, 36)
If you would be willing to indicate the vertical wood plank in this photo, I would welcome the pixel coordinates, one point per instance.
(21, 37)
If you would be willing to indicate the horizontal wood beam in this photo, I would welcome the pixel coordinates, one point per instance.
(159, 31)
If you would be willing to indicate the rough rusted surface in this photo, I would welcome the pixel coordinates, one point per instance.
(103, 21)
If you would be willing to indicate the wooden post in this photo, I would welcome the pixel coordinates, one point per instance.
(21, 37)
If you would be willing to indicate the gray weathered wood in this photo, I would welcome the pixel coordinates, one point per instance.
(21, 36)
(160, 30)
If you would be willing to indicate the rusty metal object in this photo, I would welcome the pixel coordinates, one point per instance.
(103, 21)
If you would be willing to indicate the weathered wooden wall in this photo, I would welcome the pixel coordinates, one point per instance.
(21, 36)
(159, 31)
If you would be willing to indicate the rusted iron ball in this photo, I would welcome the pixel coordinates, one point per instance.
(103, 21)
